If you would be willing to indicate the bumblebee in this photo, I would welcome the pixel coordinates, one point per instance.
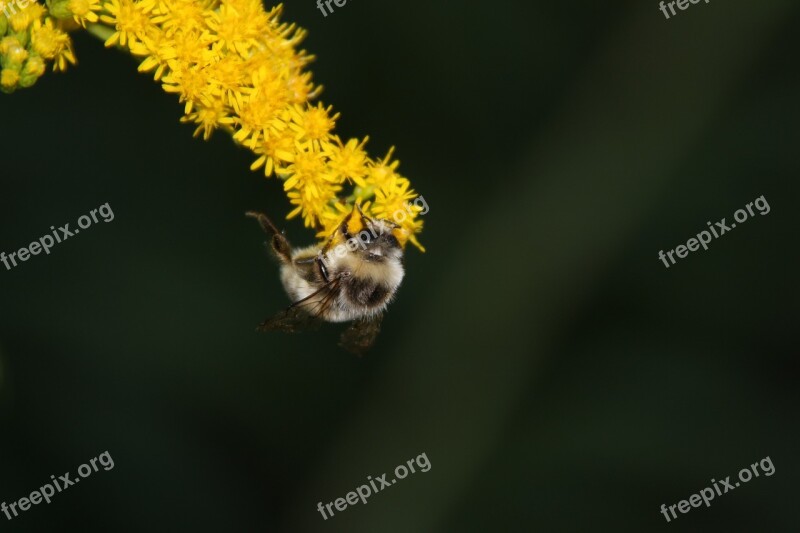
(352, 277)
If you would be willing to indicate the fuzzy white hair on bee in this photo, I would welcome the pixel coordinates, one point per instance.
(352, 277)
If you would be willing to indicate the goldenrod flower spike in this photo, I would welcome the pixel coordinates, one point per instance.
(235, 67)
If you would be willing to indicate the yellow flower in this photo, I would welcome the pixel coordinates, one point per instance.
(14, 52)
(21, 20)
(332, 216)
(235, 67)
(131, 19)
(83, 11)
(310, 186)
(182, 15)
(32, 71)
(311, 201)
(229, 74)
(8, 43)
(158, 50)
(8, 79)
(261, 110)
(52, 43)
(394, 204)
(383, 174)
(301, 88)
(276, 149)
(192, 84)
(312, 124)
(349, 161)
(189, 47)
(306, 171)
(238, 24)
(209, 118)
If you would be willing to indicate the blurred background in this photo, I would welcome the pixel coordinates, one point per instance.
(555, 373)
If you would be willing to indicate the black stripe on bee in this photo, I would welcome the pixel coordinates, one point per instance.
(378, 296)
(366, 292)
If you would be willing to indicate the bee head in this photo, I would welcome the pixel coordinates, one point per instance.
(377, 243)
(373, 240)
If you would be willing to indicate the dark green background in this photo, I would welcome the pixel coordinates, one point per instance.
(557, 376)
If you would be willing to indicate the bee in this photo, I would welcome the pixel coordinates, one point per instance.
(352, 277)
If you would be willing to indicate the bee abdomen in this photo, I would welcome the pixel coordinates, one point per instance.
(367, 293)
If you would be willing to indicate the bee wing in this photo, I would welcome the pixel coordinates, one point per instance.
(291, 320)
(359, 337)
(304, 314)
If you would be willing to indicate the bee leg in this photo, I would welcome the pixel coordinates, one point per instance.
(280, 244)
(340, 229)
(359, 337)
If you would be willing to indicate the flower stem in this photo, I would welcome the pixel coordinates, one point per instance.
(100, 31)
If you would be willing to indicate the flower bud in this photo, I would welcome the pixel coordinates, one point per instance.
(8, 80)
(32, 70)
(60, 9)
(16, 55)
